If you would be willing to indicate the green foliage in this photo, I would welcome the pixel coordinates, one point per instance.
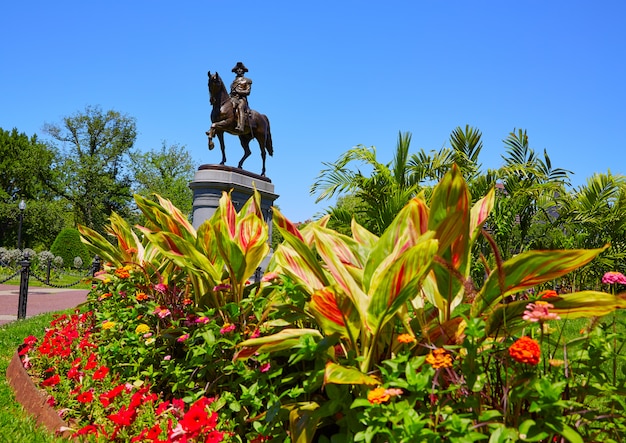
(166, 172)
(68, 245)
(26, 164)
(391, 325)
(92, 152)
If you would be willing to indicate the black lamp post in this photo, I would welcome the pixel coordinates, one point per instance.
(22, 207)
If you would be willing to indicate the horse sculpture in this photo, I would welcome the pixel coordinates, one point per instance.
(223, 119)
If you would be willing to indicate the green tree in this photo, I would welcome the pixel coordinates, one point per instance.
(166, 172)
(26, 164)
(383, 193)
(68, 246)
(91, 171)
(531, 188)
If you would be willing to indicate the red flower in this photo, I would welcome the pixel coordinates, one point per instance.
(214, 437)
(51, 381)
(124, 417)
(525, 350)
(74, 373)
(89, 429)
(91, 361)
(100, 373)
(85, 397)
(108, 397)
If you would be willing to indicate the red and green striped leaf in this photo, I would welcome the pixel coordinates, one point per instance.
(397, 280)
(335, 312)
(530, 269)
(285, 339)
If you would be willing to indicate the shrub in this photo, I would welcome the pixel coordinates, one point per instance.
(67, 245)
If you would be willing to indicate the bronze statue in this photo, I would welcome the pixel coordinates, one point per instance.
(230, 113)
(239, 91)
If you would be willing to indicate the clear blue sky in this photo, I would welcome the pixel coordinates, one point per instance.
(330, 75)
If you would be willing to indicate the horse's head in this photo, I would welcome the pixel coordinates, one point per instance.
(216, 85)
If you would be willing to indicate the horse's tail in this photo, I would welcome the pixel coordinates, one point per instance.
(268, 137)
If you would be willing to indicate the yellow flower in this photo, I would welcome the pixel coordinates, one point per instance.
(142, 329)
(439, 358)
(108, 324)
(405, 338)
(378, 396)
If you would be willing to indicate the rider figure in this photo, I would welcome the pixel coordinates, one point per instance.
(239, 92)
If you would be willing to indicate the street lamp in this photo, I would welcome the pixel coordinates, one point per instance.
(22, 207)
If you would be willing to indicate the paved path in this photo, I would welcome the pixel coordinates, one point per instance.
(40, 300)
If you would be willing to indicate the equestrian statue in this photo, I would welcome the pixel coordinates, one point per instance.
(231, 113)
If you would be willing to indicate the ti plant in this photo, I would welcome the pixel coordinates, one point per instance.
(414, 278)
(217, 259)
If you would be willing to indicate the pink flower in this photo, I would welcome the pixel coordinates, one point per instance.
(265, 367)
(162, 312)
(539, 311)
(203, 320)
(227, 328)
(270, 277)
(182, 338)
(614, 277)
(160, 287)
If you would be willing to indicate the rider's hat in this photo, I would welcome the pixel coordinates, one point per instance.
(239, 65)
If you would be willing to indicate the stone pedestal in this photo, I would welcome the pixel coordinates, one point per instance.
(211, 180)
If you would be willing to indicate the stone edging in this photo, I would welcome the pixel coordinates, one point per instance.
(32, 399)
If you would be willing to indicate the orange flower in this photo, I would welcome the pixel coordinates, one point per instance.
(381, 395)
(439, 358)
(123, 272)
(378, 396)
(548, 293)
(405, 338)
(141, 296)
(525, 350)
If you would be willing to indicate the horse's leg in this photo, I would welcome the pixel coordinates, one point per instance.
(260, 137)
(220, 137)
(245, 144)
(211, 133)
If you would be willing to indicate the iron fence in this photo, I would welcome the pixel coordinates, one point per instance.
(25, 272)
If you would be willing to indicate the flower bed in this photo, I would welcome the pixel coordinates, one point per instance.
(359, 338)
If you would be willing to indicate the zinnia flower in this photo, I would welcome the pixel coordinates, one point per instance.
(405, 338)
(539, 311)
(381, 395)
(162, 311)
(108, 325)
(182, 338)
(614, 277)
(142, 329)
(265, 367)
(123, 272)
(525, 350)
(378, 396)
(548, 293)
(439, 358)
(227, 328)
(141, 296)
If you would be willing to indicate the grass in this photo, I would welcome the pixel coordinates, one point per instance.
(63, 280)
(15, 424)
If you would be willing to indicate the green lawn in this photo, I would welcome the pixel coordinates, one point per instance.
(15, 424)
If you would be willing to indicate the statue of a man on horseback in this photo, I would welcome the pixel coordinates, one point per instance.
(230, 113)
(239, 91)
